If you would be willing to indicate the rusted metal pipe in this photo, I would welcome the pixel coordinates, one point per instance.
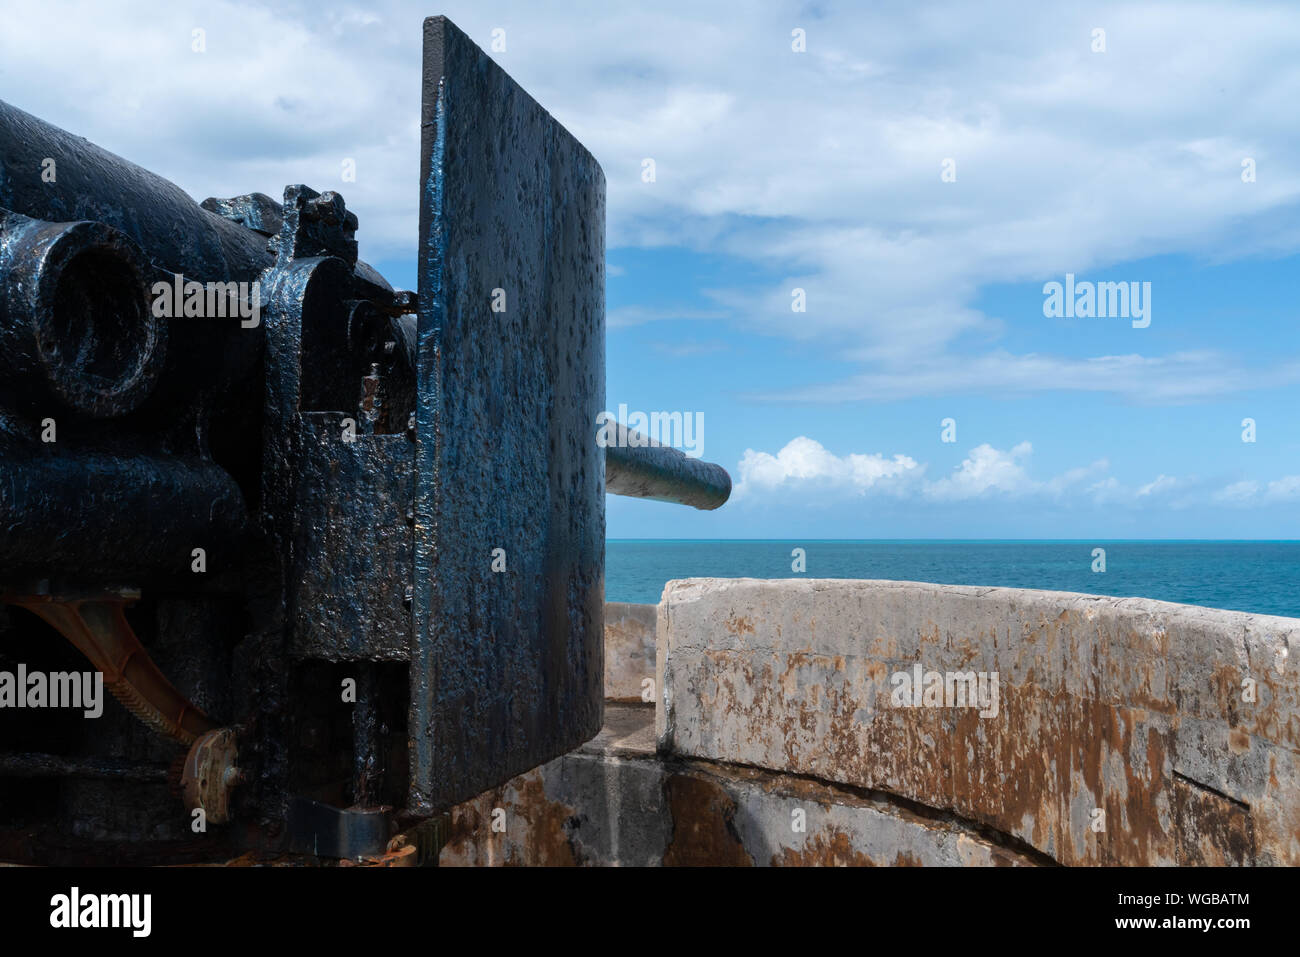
(98, 628)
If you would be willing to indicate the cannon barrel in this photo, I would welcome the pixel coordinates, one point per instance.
(84, 235)
(52, 175)
(357, 477)
(638, 467)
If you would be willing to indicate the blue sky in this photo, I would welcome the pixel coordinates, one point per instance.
(822, 170)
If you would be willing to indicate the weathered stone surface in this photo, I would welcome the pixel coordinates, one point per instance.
(629, 649)
(599, 804)
(1130, 708)
(615, 802)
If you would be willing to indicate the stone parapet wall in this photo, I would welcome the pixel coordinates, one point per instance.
(1122, 731)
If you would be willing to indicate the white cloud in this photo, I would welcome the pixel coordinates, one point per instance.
(1161, 485)
(805, 464)
(1255, 494)
(990, 471)
(986, 470)
(821, 168)
(1071, 477)
(1107, 491)
(1238, 493)
(806, 472)
(1284, 489)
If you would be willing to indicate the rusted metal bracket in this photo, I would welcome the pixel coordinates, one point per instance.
(97, 626)
(210, 773)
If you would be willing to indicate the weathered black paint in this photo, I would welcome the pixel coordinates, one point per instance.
(352, 607)
(347, 467)
(90, 183)
(506, 666)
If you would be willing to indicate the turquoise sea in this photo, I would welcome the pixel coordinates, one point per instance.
(1262, 577)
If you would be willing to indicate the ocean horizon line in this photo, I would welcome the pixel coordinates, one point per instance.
(965, 541)
(1251, 575)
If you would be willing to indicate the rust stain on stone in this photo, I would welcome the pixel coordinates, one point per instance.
(832, 848)
(739, 626)
(1210, 828)
(549, 836)
(1090, 704)
(704, 833)
(538, 829)
(465, 829)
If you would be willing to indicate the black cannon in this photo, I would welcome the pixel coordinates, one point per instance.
(338, 548)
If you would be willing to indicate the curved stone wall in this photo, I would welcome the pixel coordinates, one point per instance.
(1102, 730)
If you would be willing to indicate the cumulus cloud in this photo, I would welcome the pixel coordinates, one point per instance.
(986, 470)
(1238, 493)
(1284, 489)
(821, 169)
(990, 471)
(805, 464)
(1251, 493)
(805, 471)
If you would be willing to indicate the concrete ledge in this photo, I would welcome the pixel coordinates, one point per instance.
(1123, 731)
(614, 801)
